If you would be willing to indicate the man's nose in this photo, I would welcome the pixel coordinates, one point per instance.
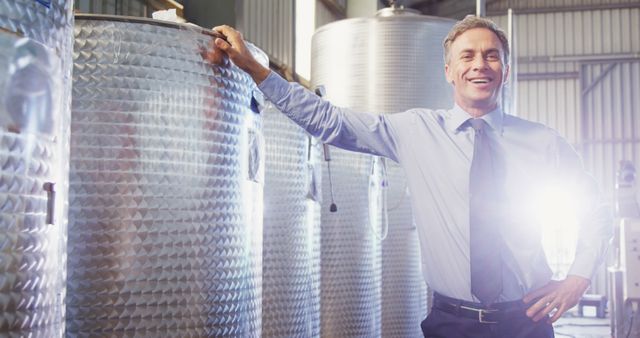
(479, 63)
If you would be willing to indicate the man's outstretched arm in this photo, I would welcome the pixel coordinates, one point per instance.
(356, 131)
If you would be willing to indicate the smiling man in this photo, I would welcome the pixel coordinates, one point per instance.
(470, 170)
(475, 67)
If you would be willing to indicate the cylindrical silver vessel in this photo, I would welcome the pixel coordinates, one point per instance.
(35, 84)
(350, 254)
(404, 293)
(165, 231)
(291, 253)
(388, 64)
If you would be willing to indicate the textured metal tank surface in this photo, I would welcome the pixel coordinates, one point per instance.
(387, 64)
(404, 292)
(291, 254)
(165, 220)
(350, 256)
(46, 21)
(35, 64)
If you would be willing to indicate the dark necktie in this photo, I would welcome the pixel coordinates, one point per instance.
(485, 198)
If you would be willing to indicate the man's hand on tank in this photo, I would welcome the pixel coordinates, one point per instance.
(235, 49)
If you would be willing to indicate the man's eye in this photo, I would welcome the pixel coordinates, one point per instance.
(493, 57)
(467, 57)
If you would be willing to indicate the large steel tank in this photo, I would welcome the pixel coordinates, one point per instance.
(387, 64)
(165, 221)
(291, 254)
(350, 253)
(35, 64)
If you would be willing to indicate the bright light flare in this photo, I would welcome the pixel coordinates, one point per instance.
(556, 206)
(556, 210)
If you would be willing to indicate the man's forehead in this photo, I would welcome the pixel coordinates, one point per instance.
(477, 37)
(496, 49)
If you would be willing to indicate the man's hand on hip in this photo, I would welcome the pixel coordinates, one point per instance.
(556, 295)
(236, 49)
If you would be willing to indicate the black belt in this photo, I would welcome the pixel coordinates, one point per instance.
(492, 314)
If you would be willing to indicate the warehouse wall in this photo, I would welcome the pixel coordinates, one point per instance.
(270, 25)
(324, 15)
(209, 14)
(556, 5)
(611, 108)
(559, 57)
(112, 7)
(579, 73)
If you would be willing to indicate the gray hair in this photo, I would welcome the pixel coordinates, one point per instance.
(471, 22)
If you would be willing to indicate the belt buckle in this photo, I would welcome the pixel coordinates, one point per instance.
(481, 313)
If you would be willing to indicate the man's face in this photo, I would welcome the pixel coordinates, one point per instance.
(476, 70)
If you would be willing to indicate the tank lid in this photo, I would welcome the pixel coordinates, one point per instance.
(397, 11)
(148, 21)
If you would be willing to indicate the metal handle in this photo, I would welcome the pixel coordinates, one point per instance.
(49, 187)
(309, 147)
(320, 91)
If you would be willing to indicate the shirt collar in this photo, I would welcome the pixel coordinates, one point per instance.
(456, 117)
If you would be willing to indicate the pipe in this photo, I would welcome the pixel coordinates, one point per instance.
(547, 76)
(594, 58)
(513, 64)
(481, 8)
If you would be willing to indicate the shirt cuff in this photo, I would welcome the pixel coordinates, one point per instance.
(274, 87)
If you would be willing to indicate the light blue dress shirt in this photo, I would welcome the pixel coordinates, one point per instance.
(435, 148)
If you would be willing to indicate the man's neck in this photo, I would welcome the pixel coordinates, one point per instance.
(476, 111)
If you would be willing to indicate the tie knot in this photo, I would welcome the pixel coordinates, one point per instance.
(478, 124)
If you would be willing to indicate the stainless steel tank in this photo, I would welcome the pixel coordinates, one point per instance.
(350, 255)
(165, 231)
(291, 253)
(404, 293)
(35, 64)
(387, 64)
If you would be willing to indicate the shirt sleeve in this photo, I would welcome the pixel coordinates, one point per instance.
(357, 131)
(594, 215)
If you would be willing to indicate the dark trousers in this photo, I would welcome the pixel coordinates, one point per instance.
(516, 324)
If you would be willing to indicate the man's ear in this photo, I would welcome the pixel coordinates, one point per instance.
(507, 71)
(447, 73)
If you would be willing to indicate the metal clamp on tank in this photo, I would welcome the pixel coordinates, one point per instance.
(320, 91)
(255, 138)
(46, 3)
(378, 197)
(256, 155)
(313, 171)
(51, 202)
(257, 101)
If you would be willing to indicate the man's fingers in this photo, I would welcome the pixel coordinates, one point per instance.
(534, 309)
(213, 53)
(216, 57)
(561, 310)
(224, 30)
(558, 296)
(232, 35)
(223, 45)
(545, 311)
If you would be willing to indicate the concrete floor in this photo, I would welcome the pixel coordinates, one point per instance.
(582, 327)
